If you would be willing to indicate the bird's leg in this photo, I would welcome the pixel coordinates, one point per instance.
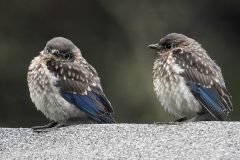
(55, 125)
(168, 123)
(48, 127)
(181, 119)
(176, 122)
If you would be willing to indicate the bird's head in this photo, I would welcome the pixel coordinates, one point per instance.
(170, 42)
(61, 49)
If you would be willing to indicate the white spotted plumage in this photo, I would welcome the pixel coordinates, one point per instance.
(171, 90)
(187, 82)
(65, 88)
(45, 95)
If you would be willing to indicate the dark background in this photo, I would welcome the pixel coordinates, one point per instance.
(113, 36)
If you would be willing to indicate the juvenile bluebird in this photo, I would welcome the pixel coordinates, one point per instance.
(187, 82)
(65, 87)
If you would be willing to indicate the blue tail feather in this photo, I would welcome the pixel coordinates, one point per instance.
(209, 99)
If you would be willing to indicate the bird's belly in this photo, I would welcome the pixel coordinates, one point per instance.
(46, 97)
(175, 96)
(55, 107)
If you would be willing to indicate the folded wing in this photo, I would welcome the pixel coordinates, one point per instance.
(80, 86)
(205, 81)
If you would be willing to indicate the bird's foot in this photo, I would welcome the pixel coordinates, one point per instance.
(181, 119)
(176, 122)
(168, 123)
(48, 127)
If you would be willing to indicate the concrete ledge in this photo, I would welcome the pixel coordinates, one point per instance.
(200, 140)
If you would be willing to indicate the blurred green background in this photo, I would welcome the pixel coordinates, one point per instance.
(113, 37)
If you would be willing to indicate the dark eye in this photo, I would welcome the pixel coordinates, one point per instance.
(68, 56)
(55, 52)
(168, 46)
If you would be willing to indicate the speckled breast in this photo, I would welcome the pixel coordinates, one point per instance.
(171, 89)
(46, 96)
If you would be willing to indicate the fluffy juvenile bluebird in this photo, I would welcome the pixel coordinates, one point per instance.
(187, 82)
(65, 87)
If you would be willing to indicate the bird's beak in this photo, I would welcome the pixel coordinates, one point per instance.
(41, 52)
(154, 46)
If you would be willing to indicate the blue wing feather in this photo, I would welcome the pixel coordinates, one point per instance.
(90, 104)
(209, 99)
(74, 80)
(206, 83)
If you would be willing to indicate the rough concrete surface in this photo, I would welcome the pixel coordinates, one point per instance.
(199, 140)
